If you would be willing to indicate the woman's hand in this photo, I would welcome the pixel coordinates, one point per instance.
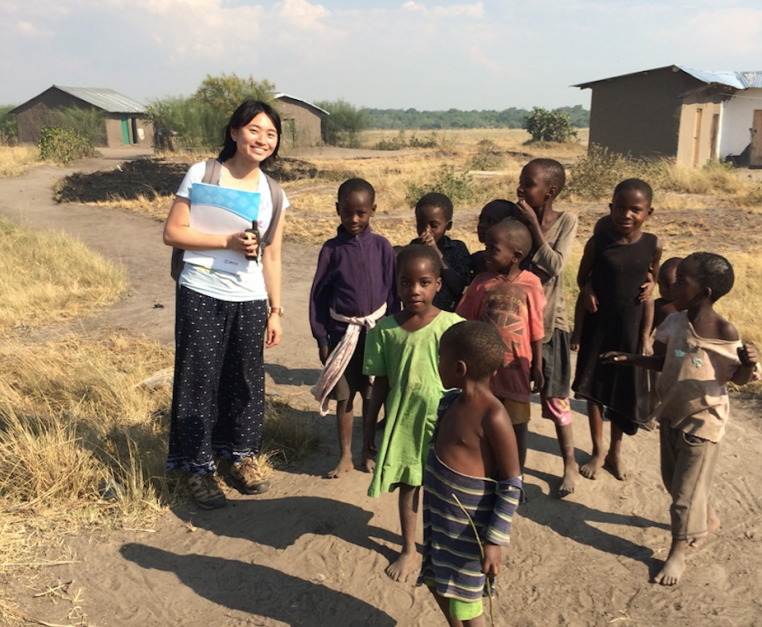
(244, 243)
(274, 331)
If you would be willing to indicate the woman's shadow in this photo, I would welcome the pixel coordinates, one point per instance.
(260, 590)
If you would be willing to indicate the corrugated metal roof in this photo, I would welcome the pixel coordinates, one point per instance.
(106, 99)
(737, 80)
(279, 94)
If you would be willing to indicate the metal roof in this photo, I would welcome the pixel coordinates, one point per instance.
(106, 99)
(279, 94)
(737, 80)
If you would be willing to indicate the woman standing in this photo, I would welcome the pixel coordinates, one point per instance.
(224, 319)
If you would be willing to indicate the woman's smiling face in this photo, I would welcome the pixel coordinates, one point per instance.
(257, 140)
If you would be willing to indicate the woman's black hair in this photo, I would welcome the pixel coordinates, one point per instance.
(244, 114)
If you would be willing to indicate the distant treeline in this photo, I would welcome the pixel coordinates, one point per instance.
(454, 118)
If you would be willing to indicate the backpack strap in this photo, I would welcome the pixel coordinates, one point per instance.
(276, 192)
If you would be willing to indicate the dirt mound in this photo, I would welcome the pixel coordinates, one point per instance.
(154, 177)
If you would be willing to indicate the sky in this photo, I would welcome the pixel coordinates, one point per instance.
(422, 54)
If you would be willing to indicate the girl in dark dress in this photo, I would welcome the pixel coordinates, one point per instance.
(612, 273)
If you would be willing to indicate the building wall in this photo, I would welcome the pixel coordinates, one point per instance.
(36, 113)
(301, 125)
(639, 115)
(114, 134)
(695, 143)
(737, 119)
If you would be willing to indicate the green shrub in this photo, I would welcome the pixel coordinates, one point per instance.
(63, 145)
(549, 126)
(488, 156)
(8, 128)
(595, 177)
(458, 187)
(87, 123)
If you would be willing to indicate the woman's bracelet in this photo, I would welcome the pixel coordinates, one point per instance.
(276, 310)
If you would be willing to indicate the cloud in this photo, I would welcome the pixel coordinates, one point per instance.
(475, 10)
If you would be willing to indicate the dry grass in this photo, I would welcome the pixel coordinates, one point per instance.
(83, 420)
(15, 160)
(48, 277)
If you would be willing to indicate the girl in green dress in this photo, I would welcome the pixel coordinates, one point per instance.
(402, 352)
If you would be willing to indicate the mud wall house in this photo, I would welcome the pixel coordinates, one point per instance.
(693, 116)
(301, 121)
(125, 123)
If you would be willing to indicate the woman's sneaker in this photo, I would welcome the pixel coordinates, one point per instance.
(206, 492)
(250, 475)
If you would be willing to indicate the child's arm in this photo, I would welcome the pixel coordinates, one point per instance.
(583, 277)
(536, 377)
(502, 438)
(652, 362)
(748, 356)
(319, 302)
(647, 289)
(579, 317)
(377, 400)
(645, 327)
(549, 257)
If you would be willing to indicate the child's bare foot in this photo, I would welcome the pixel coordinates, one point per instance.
(613, 463)
(345, 465)
(570, 480)
(591, 469)
(368, 463)
(712, 524)
(674, 567)
(402, 566)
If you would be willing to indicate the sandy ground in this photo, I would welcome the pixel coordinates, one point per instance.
(311, 552)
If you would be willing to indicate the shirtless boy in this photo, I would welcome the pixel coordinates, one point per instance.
(473, 456)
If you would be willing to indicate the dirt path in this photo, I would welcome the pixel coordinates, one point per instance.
(312, 551)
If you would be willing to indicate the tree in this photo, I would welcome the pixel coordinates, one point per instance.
(224, 93)
(8, 130)
(549, 126)
(345, 122)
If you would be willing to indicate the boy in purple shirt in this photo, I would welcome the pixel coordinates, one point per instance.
(354, 286)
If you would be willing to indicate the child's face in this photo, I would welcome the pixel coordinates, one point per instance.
(491, 214)
(355, 210)
(629, 210)
(532, 186)
(499, 253)
(433, 219)
(417, 284)
(667, 279)
(686, 290)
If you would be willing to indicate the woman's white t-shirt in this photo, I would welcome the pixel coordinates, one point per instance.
(228, 286)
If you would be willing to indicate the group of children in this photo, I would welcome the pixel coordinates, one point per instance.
(452, 346)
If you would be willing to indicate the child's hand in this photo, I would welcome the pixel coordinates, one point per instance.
(614, 357)
(491, 559)
(525, 213)
(575, 340)
(748, 355)
(427, 239)
(537, 379)
(646, 348)
(323, 353)
(591, 300)
(647, 289)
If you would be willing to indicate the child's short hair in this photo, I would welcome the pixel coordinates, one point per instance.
(713, 271)
(356, 185)
(435, 199)
(553, 173)
(637, 185)
(670, 264)
(419, 251)
(505, 205)
(517, 233)
(478, 344)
